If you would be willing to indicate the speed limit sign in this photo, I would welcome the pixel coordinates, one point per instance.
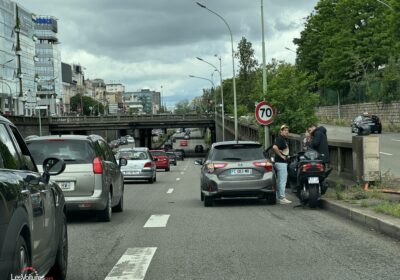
(264, 113)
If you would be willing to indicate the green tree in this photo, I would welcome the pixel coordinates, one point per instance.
(183, 107)
(90, 106)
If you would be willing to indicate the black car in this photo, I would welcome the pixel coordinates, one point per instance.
(33, 226)
(180, 154)
(360, 122)
(199, 149)
(172, 158)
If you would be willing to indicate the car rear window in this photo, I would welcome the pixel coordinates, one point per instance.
(71, 151)
(131, 154)
(158, 153)
(238, 152)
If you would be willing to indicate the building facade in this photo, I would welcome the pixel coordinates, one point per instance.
(8, 85)
(48, 65)
(150, 100)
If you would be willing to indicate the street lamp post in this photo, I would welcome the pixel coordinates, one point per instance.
(385, 4)
(222, 92)
(264, 71)
(233, 67)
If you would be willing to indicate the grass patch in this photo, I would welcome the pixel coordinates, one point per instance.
(389, 208)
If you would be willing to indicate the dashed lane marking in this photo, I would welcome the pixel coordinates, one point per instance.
(170, 191)
(178, 179)
(182, 173)
(156, 221)
(386, 154)
(133, 264)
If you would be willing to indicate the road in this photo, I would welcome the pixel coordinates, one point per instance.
(389, 147)
(236, 239)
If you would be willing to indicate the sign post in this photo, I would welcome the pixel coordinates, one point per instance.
(265, 114)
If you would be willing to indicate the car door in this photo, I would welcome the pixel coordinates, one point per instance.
(113, 171)
(43, 206)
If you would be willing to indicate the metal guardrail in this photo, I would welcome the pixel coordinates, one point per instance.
(135, 118)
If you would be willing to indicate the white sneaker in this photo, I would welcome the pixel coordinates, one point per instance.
(284, 201)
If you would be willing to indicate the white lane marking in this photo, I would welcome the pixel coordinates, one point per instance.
(157, 221)
(170, 191)
(178, 179)
(386, 154)
(398, 140)
(182, 173)
(133, 264)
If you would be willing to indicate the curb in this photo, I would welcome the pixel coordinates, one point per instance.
(381, 223)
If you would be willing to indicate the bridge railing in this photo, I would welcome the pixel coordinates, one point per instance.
(139, 118)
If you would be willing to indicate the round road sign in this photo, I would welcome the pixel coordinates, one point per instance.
(265, 113)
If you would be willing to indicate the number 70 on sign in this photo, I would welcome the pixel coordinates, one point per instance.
(265, 113)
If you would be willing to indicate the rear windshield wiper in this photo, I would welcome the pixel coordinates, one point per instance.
(232, 158)
(69, 159)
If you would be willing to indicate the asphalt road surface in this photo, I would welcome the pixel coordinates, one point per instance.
(165, 232)
(389, 147)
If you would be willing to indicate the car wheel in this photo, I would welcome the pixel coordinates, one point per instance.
(120, 205)
(201, 196)
(208, 201)
(270, 198)
(21, 257)
(151, 180)
(167, 169)
(105, 215)
(59, 269)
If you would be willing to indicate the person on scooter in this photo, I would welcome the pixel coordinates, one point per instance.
(281, 149)
(319, 141)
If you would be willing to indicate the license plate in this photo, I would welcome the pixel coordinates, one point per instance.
(241, 171)
(133, 172)
(313, 180)
(67, 186)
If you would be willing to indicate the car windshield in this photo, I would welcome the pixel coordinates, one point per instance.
(132, 154)
(71, 151)
(238, 152)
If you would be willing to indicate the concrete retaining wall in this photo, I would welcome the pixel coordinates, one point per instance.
(388, 113)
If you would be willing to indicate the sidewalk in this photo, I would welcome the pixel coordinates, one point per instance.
(383, 223)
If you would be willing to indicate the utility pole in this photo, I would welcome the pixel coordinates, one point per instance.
(264, 71)
(18, 53)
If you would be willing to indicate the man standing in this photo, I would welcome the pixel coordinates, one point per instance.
(319, 141)
(281, 149)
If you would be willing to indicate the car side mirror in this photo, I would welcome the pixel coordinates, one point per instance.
(198, 162)
(52, 166)
(123, 162)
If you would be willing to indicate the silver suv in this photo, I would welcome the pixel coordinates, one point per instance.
(92, 179)
(237, 169)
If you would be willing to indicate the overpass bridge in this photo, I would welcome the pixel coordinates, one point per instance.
(112, 127)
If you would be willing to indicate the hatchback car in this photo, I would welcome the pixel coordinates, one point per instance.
(162, 160)
(140, 166)
(33, 225)
(361, 121)
(172, 158)
(183, 143)
(92, 179)
(237, 169)
(180, 154)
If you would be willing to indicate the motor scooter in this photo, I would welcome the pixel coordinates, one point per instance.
(306, 177)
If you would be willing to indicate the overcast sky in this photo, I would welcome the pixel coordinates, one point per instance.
(154, 43)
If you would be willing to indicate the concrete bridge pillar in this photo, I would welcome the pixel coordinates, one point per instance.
(148, 138)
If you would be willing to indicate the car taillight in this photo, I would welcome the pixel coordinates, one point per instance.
(212, 166)
(97, 166)
(266, 164)
(147, 165)
(308, 166)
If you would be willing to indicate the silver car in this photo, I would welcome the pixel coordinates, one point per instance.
(237, 169)
(92, 179)
(140, 166)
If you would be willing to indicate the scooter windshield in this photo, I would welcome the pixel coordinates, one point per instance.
(311, 154)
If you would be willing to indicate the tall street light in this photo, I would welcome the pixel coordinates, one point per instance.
(222, 92)
(233, 67)
(386, 4)
(264, 71)
(215, 99)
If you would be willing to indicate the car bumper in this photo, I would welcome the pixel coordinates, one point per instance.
(144, 175)
(243, 188)
(97, 201)
(162, 166)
